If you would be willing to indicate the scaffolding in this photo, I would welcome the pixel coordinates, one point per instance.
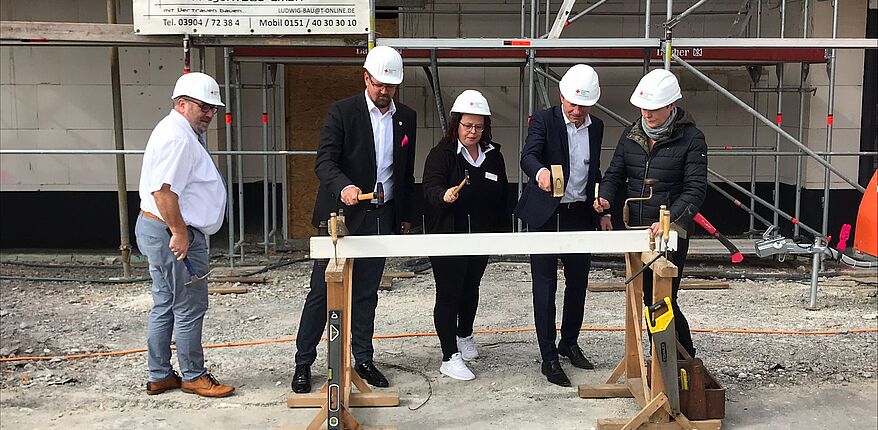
(533, 52)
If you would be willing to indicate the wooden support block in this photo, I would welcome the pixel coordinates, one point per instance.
(661, 267)
(602, 287)
(357, 400)
(636, 387)
(618, 423)
(335, 270)
(386, 283)
(647, 412)
(604, 391)
(227, 290)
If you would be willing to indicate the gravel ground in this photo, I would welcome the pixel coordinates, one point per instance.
(772, 380)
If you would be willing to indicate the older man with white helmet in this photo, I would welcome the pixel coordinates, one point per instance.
(664, 144)
(569, 136)
(182, 201)
(367, 142)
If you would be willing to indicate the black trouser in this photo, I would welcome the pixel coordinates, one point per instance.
(681, 325)
(364, 300)
(544, 273)
(457, 297)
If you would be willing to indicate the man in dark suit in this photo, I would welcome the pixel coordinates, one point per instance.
(366, 139)
(569, 136)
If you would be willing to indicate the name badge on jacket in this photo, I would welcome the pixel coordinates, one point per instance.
(491, 176)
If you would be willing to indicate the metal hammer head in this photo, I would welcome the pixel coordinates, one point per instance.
(379, 193)
(466, 177)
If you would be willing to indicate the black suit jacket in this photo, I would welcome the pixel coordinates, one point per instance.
(346, 156)
(546, 144)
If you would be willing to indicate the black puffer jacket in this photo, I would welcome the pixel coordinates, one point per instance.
(678, 162)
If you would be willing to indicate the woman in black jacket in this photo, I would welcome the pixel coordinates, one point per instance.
(477, 207)
(663, 144)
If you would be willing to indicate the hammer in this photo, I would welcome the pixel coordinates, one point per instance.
(378, 194)
(465, 181)
(557, 180)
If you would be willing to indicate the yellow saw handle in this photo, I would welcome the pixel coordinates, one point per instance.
(663, 321)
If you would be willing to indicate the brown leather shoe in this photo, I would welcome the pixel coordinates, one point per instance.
(170, 383)
(207, 386)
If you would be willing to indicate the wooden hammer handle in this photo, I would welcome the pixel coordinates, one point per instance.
(457, 189)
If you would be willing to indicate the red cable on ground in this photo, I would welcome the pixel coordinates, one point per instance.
(405, 335)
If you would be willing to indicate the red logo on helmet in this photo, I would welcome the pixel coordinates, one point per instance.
(577, 91)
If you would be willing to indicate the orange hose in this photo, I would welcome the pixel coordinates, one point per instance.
(426, 334)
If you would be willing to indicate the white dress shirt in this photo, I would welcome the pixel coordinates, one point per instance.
(469, 159)
(382, 133)
(579, 155)
(174, 156)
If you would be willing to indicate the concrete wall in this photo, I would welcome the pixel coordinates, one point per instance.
(59, 97)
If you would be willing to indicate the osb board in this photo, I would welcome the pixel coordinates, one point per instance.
(310, 90)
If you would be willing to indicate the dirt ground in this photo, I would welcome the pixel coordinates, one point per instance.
(778, 381)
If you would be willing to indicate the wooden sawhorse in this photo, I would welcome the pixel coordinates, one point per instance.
(650, 395)
(338, 297)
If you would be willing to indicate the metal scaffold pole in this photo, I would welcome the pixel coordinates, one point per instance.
(119, 140)
(830, 106)
(230, 207)
(239, 143)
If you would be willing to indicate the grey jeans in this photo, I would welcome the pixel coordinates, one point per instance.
(175, 307)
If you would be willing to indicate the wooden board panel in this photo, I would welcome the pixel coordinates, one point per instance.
(310, 90)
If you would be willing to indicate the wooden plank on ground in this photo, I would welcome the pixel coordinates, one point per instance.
(235, 271)
(227, 290)
(239, 279)
(400, 274)
(603, 287)
(604, 391)
(388, 277)
(618, 423)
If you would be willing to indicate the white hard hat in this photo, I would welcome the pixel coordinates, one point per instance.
(384, 64)
(580, 85)
(656, 89)
(198, 86)
(471, 101)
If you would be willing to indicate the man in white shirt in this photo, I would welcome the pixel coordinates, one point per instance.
(367, 139)
(569, 136)
(182, 200)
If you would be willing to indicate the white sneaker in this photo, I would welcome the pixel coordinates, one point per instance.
(467, 348)
(456, 368)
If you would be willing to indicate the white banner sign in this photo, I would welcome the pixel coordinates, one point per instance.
(251, 17)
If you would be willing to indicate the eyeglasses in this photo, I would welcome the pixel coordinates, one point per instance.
(205, 107)
(381, 85)
(477, 127)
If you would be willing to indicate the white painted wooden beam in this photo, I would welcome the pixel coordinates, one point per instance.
(419, 245)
